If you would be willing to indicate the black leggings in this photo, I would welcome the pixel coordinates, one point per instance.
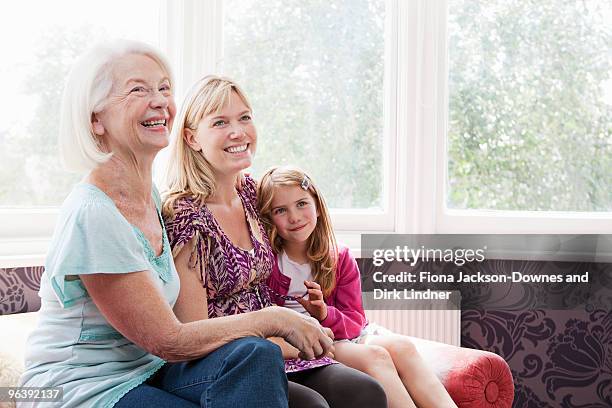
(334, 386)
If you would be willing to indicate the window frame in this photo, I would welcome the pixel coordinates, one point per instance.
(481, 221)
(191, 35)
(354, 221)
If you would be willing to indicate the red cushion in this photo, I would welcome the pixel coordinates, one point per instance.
(480, 379)
(473, 378)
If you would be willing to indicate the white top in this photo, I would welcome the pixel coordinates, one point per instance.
(298, 274)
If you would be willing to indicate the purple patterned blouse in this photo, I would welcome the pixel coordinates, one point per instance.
(233, 277)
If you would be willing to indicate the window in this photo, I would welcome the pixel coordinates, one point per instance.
(530, 105)
(40, 43)
(416, 116)
(452, 81)
(315, 55)
(315, 73)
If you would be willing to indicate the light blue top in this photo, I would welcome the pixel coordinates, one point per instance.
(73, 345)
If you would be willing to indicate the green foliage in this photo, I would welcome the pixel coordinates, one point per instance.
(314, 73)
(31, 171)
(529, 127)
(530, 117)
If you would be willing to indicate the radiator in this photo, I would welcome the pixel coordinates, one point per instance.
(437, 325)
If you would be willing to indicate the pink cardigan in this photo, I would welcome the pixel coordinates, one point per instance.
(345, 315)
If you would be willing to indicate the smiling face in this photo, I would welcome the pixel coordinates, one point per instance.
(138, 112)
(227, 139)
(294, 213)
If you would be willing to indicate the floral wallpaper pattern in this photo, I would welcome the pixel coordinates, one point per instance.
(19, 289)
(558, 358)
(556, 337)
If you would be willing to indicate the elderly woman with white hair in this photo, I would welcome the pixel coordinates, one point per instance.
(107, 330)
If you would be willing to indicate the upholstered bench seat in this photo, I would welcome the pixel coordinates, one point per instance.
(474, 378)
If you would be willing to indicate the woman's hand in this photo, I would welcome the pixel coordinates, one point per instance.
(301, 331)
(315, 305)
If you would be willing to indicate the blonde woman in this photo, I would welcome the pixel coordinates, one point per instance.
(219, 244)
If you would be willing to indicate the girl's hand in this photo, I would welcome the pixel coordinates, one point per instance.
(315, 305)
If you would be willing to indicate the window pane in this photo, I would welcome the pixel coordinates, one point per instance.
(313, 71)
(40, 40)
(530, 93)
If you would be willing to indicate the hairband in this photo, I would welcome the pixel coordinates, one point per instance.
(305, 183)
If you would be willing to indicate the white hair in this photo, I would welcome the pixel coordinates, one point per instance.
(88, 84)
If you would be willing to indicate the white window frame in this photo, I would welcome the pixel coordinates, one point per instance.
(428, 111)
(204, 20)
(415, 123)
(192, 38)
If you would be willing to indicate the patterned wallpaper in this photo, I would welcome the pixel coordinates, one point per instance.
(556, 337)
(19, 289)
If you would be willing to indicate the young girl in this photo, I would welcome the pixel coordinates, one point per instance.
(312, 275)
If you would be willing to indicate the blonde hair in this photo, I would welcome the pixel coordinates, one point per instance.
(189, 174)
(85, 92)
(322, 247)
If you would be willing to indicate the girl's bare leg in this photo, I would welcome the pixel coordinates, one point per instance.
(377, 363)
(424, 387)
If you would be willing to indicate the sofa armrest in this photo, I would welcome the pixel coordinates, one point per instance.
(473, 378)
(15, 330)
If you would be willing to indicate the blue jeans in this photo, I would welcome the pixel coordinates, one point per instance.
(248, 372)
